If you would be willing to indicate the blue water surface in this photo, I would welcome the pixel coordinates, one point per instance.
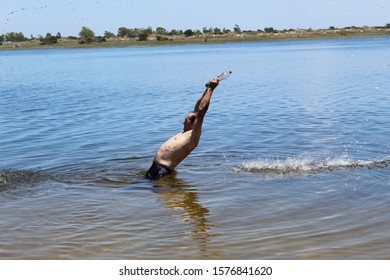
(293, 161)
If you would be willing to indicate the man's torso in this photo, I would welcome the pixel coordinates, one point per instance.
(173, 151)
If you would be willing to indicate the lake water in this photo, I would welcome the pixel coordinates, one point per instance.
(293, 163)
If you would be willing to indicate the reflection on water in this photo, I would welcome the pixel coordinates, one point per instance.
(174, 193)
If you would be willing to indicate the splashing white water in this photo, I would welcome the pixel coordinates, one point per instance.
(303, 165)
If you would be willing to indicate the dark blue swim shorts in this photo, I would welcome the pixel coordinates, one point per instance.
(156, 171)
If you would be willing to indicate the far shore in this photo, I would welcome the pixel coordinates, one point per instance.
(246, 36)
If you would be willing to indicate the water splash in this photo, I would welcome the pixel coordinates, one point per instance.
(12, 178)
(291, 165)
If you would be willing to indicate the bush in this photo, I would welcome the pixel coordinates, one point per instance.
(175, 32)
(217, 31)
(143, 36)
(123, 31)
(101, 39)
(49, 39)
(15, 37)
(161, 31)
(129, 32)
(86, 34)
(270, 30)
(162, 38)
(188, 33)
(108, 34)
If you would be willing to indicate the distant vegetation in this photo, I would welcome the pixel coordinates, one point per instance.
(125, 35)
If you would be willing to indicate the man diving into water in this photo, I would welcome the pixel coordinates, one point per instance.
(176, 149)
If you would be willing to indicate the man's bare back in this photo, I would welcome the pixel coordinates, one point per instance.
(177, 148)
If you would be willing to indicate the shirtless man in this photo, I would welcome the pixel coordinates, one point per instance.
(176, 149)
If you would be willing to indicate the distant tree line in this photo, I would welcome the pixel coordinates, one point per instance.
(19, 37)
(86, 35)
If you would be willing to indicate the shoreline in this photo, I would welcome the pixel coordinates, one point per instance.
(248, 36)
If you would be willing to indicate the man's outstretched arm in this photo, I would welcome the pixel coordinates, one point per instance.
(199, 100)
(204, 99)
(201, 108)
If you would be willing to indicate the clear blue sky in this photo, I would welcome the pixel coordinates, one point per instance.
(68, 16)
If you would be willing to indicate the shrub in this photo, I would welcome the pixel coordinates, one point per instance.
(49, 39)
(86, 34)
(108, 34)
(188, 33)
(15, 37)
(161, 31)
(162, 38)
(270, 30)
(143, 36)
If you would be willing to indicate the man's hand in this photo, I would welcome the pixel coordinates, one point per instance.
(213, 83)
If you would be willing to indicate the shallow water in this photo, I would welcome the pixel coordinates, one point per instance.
(294, 160)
